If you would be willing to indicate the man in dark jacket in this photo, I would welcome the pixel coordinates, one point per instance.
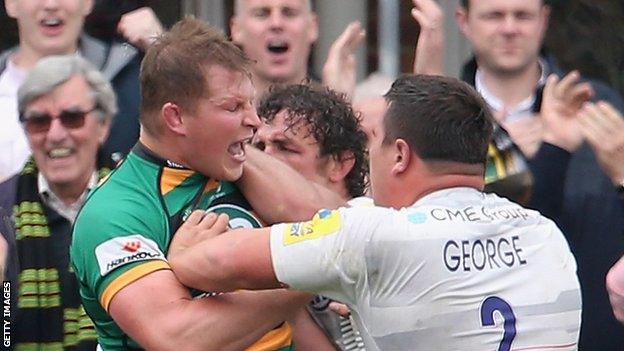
(510, 72)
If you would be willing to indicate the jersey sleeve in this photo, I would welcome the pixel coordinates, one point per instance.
(325, 255)
(114, 245)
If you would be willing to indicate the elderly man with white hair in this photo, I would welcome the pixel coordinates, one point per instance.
(65, 107)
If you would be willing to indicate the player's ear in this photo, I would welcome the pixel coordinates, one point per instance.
(340, 166)
(402, 156)
(172, 117)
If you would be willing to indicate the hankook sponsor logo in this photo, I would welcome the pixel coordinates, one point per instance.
(136, 257)
(120, 251)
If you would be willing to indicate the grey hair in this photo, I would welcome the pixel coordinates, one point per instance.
(52, 71)
(238, 6)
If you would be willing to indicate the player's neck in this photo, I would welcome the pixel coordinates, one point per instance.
(161, 147)
(512, 88)
(451, 181)
(438, 176)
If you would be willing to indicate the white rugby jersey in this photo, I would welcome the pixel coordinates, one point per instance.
(458, 270)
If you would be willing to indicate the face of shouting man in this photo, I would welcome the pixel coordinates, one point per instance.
(48, 27)
(221, 125)
(277, 34)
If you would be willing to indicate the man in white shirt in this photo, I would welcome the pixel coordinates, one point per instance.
(56, 28)
(13, 142)
(440, 266)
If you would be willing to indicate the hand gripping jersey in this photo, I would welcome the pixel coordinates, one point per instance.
(124, 230)
(458, 270)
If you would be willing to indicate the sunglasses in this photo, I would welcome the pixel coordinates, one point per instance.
(37, 122)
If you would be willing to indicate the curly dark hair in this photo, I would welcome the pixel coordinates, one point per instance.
(333, 123)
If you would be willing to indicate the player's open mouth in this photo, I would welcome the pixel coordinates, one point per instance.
(237, 149)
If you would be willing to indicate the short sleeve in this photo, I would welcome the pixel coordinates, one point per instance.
(326, 254)
(115, 244)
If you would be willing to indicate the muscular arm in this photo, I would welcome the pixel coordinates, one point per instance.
(158, 313)
(279, 193)
(237, 259)
(243, 258)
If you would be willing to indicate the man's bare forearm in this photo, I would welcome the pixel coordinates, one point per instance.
(244, 317)
(230, 321)
(237, 259)
(279, 193)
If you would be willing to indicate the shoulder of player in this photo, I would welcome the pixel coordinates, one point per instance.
(133, 183)
(116, 197)
(111, 209)
(367, 212)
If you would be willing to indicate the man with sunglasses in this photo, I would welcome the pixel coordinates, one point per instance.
(66, 108)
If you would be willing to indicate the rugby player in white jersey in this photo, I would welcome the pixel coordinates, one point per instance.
(440, 266)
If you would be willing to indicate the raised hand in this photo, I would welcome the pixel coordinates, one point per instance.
(603, 128)
(429, 55)
(339, 71)
(561, 103)
(526, 134)
(140, 27)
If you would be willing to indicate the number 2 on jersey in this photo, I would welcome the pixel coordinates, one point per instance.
(488, 307)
